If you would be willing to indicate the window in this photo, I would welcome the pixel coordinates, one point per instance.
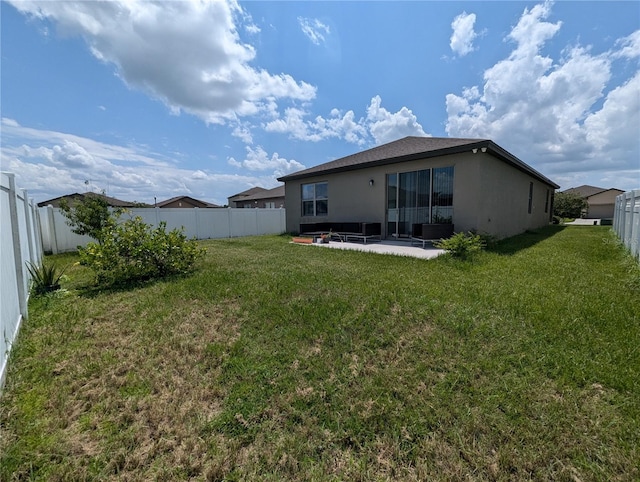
(546, 203)
(315, 199)
(270, 204)
(530, 196)
(442, 195)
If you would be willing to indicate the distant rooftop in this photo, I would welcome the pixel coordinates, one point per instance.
(78, 197)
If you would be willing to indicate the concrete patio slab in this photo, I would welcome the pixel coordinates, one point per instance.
(398, 248)
(585, 222)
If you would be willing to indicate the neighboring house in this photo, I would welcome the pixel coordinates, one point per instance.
(258, 197)
(473, 184)
(185, 202)
(75, 198)
(236, 201)
(601, 202)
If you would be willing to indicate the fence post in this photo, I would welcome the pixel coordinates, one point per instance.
(197, 216)
(283, 221)
(257, 224)
(38, 231)
(53, 235)
(17, 249)
(28, 218)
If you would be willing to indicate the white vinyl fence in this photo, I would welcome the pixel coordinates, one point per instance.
(626, 220)
(20, 243)
(209, 223)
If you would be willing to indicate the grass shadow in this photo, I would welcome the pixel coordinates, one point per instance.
(525, 240)
(93, 290)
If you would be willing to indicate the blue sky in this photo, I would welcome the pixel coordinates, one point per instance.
(207, 99)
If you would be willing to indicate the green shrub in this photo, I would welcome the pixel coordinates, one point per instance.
(569, 205)
(45, 278)
(461, 245)
(133, 250)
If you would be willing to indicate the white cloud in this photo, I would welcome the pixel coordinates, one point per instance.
(338, 125)
(379, 124)
(258, 160)
(630, 46)
(49, 164)
(463, 35)
(386, 127)
(314, 29)
(187, 54)
(548, 110)
(611, 127)
(243, 132)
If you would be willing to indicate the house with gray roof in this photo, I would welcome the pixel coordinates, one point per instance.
(600, 201)
(258, 197)
(75, 198)
(185, 202)
(471, 184)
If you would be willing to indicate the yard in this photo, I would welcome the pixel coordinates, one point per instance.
(277, 361)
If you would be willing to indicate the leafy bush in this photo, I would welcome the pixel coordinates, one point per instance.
(461, 245)
(45, 278)
(568, 205)
(133, 250)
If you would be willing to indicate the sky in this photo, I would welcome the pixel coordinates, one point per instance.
(150, 100)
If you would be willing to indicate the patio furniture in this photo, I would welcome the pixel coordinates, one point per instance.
(345, 231)
(429, 232)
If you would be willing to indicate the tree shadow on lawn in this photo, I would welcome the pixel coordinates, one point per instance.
(94, 290)
(514, 244)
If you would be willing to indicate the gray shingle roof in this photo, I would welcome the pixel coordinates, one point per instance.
(266, 194)
(248, 192)
(584, 190)
(412, 148)
(76, 197)
(187, 198)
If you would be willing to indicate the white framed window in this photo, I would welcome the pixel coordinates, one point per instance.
(315, 199)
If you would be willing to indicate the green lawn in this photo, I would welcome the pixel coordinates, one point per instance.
(277, 361)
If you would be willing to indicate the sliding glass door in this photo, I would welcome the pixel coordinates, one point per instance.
(412, 198)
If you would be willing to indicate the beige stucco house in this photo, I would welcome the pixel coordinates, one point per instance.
(474, 184)
(600, 201)
(258, 197)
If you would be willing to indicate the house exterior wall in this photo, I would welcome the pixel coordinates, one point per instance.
(602, 205)
(502, 207)
(489, 196)
(278, 202)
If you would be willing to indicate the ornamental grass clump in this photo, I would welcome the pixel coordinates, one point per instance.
(45, 278)
(134, 251)
(462, 245)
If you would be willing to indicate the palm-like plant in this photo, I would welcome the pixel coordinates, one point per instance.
(45, 277)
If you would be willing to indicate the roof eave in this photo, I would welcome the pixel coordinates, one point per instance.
(386, 161)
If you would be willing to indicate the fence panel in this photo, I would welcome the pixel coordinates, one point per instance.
(626, 220)
(210, 223)
(21, 243)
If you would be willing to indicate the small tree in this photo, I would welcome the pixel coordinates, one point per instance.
(133, 250)
(568, 205)
(88, 216)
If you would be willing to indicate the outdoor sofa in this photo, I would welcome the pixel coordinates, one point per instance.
(345, 231)
(426, 233)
